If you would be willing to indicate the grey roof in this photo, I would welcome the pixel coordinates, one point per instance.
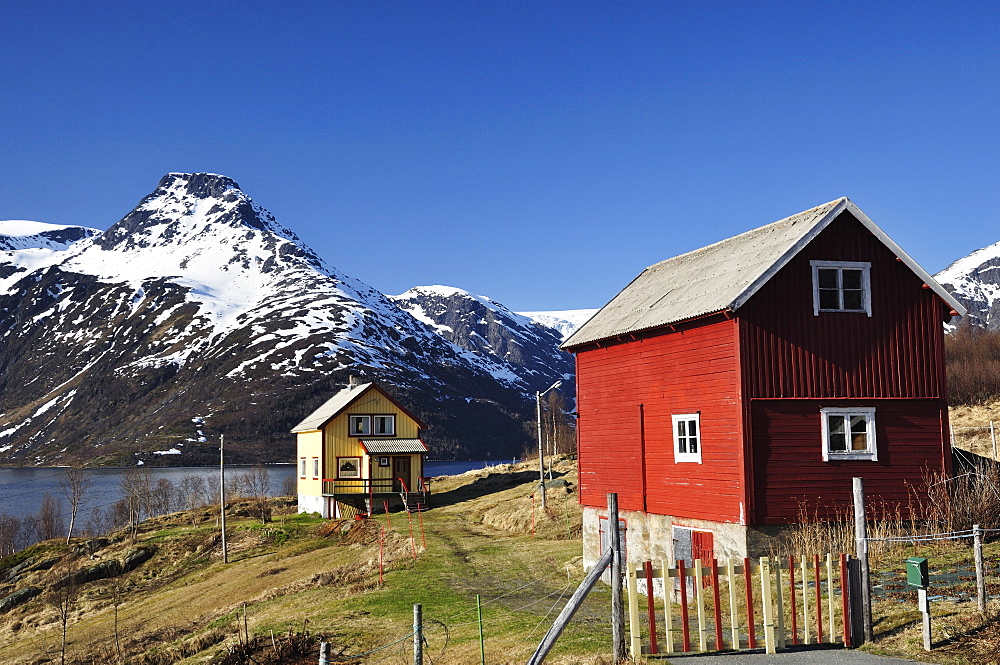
(393, 446)
(725, 275)
(331, 407)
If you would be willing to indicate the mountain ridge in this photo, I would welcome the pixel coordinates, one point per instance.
(198, 305)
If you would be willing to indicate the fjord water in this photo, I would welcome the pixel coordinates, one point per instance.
(21, 490)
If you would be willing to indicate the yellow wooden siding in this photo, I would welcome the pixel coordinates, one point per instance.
(339, 444)
(309, 446)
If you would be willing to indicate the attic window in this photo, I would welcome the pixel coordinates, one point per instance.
(849, 434)
(841, 286)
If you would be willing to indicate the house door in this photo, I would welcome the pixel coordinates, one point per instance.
(401, 470)
(703, 547)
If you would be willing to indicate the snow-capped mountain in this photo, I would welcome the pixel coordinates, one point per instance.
(974, 280)
(565, 321)
(27, 246)
(197, 313)
(486, 327)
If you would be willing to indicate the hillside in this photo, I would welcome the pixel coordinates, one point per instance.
(301, 575)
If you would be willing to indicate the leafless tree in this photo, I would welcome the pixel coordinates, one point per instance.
(289, 486)
(63, 599)
(97, 525)
(135, 484)
(49, 518)
(29, 531)
(163, 497)
(257, 482)
(10, 527)
(192, 494)
(559, 428)
(73, 485)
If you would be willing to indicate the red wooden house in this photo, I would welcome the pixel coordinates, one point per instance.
(725, 391)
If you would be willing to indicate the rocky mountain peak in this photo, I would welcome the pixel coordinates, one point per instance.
(975, 281)
(198, 185)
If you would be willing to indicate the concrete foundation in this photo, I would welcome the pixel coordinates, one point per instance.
(649, 537)
(312, 504)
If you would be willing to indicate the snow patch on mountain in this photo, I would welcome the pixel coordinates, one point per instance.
(27, 246)
(974, 280)
(565, 321)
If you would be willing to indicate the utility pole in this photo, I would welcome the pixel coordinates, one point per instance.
(222, 494)
(541, 455)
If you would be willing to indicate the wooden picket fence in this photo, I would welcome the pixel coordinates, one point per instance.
(785, 601)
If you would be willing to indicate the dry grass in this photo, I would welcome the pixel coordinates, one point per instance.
(185, 606)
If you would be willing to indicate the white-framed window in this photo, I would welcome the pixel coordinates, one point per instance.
(384, 425)
(841, 286)
(687, 437)
(849, 433)
(359, 425)
(302, 467)
(315, 468)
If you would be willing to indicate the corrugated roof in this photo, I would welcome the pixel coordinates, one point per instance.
(393, 446)
(723, 276)
(331, 407)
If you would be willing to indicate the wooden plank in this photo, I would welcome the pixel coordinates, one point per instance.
(668, 622)
(767, 607)
(700, 599)
(734, 623)
(635, 636)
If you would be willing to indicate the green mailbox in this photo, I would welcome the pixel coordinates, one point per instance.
(916, 572)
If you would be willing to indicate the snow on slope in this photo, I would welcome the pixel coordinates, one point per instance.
(975, 281)
(26, 246)
(565, 321)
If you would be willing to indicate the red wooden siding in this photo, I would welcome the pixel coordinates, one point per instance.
(789, 471)
(897, 352)
(688, 371)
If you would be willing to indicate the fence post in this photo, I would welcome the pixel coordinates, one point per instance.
(861, 538)
(977, 543)
(733, 622)
(634, 633)
(804, 564)
(617, 606)
(668, 621)
(766, 599)
(482, 642)
(993, 438)
(779, 628)
(418, 635)
(829, 597)
(324, 653)
(651, 607)
(699, 596)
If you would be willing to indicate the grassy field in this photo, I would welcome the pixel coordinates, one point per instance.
(302, 575)
(299, 579)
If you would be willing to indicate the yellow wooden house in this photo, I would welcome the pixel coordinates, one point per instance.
(358, 452)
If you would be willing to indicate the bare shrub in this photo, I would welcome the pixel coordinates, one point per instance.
(971, 496)
(49, 519)
(972, 358)
(257, 482)
(10, 528)
(163, 498)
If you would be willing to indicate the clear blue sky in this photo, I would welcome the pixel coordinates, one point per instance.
(541, 153)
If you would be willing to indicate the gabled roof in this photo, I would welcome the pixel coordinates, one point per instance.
(723, 276)
(334, 406)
